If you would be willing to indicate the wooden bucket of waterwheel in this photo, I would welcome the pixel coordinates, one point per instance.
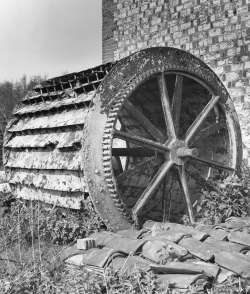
(141, 137)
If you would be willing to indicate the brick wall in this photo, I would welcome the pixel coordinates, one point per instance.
(108, 43)
(218, 31)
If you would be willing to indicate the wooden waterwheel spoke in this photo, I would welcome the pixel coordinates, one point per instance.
(134, 152)
(147, 143)
(176, 102)
(196, 175)
(144, 122)
(166, 106)
(151, 188)
(212, 163)
(184, 185)
(208, 131)
(137, 169)
(200, 119)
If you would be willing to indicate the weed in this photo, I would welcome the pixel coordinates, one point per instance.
(230, 197)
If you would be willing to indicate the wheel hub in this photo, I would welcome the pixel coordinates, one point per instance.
(178, 151)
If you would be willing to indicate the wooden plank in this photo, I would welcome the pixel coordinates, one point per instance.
(170, 235)
(216, 233)
(160, 228)
(60, 140)
(195, 267)
(52, 197)
(224, 275)
(217, 246)
(197, 248)
(181, 281)
(124, 245)
(239, 237)
(31, 96)
(49, 105)
(59, 180)
(235, 262)
(62, 119)
(129, 265)
(236, 223)
(210, 269)
(44, 160)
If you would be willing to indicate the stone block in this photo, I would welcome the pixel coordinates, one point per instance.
(197, 248)
(182, 281)
(85, 243)
(235, 262)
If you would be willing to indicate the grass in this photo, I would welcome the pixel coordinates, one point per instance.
(32, 235)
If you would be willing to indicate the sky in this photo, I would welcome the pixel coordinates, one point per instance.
(48, 37)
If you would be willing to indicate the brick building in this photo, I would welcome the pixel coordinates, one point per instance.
(217, 31)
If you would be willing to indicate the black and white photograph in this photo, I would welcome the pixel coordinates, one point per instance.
(124, 146)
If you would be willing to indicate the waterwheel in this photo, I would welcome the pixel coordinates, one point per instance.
(141, 137)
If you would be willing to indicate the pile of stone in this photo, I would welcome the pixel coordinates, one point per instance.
(179, 255)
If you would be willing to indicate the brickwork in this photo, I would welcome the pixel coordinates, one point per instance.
(108, 43)
(217, 31)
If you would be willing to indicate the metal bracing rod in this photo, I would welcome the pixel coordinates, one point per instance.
(210, 130)
(166, 106)
(147, 143)
(176, 102)
(196, 175)
(134, 152)
(212, 163)
(137, 168)
(184, 185)
(200, 119)
(144, 122)
(151, 188)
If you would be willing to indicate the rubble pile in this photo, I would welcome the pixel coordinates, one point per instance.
(179, 255)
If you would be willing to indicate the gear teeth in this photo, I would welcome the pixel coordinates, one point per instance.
(107, 137)
(113, 115)
(106, 152)
(109, 181)
(111, 186)
(107, 141)
(108, 130)
(110, 124)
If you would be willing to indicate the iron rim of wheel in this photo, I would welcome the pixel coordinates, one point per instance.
(172, 71)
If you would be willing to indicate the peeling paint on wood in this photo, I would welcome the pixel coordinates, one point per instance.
(52, 197)
(65, 118)
(45, 160)
(60, 140)
(49, 105)
(52, 180)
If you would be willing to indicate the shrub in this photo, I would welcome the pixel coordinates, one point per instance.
(230, 197)
(25, 222)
